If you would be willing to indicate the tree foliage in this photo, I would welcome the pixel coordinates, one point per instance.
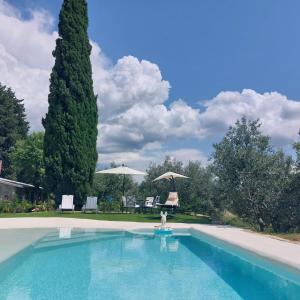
(161, 187)
(13, 126)
(251, 174)
(71, 122)
(289, 211)
(195, 193)
(27, 161)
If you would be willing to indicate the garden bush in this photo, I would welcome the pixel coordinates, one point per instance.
(24, 206)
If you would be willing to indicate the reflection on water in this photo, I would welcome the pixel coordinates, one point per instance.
(74, 264)
(65, 233)
(168, 244)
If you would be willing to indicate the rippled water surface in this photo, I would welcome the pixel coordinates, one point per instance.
(69, 264)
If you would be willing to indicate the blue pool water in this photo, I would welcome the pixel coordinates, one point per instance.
(122, 265)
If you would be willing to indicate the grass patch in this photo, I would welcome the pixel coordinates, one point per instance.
(294, 237)
(229, 218)
(178, 218)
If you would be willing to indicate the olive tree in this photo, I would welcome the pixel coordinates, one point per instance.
(252, 175)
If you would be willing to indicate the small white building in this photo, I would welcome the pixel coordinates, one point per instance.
(10, 189)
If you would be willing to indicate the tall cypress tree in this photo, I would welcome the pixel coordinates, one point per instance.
(71, 122)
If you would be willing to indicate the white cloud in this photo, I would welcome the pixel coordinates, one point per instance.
(135, 122)
(25, 58)
(278, 114)
(8, 10)
(142, 124)
(127, 83)
(189, 154)
(30, 41)
(142, 158)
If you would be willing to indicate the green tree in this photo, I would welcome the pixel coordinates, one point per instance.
(289, 209)
(195, 193)
(71, 122)
(27, 160)
(160, 187)
(109, 187)
(13, 126)
(251, 174)
(296, 147)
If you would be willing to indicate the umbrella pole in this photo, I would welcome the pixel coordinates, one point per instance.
(123, 184)
(173, 183)
(123, 193)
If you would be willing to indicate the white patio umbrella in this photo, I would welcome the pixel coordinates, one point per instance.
(122, 171)
(170, 176)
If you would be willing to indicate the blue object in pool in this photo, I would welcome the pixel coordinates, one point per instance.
(120, 265)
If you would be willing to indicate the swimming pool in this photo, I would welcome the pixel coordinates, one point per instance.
(93, 264)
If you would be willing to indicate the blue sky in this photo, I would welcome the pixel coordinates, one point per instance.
(201, 47)
(249, 51)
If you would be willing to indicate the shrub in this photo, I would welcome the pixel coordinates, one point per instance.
(109, 206)
(23, 206)
(6, 207)
(16, 206)
(45, 206)
(231, 219)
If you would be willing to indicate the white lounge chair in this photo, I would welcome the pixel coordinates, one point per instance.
(172, 201)
(90, 204)
(129, 202)
(149, 202)
(124, 200)
(156, 201)
(66, 203)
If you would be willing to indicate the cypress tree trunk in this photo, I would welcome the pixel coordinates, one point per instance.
(71, 122)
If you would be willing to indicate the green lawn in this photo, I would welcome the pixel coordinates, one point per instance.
(178, 218)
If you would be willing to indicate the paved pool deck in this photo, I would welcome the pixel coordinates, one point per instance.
(13, 240)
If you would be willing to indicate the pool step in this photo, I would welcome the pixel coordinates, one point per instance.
(66, 238)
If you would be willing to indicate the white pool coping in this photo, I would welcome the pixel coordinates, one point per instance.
(11, 241)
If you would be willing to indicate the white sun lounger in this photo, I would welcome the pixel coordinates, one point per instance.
(129, 202)
(149, 202)
(66, 203)
(90, 204)
(172, 201)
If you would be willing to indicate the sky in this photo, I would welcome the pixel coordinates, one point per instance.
(171, 76)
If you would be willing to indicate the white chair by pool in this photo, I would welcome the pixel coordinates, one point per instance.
(124, 201)
(149, 202)
(172, 199)
(90, 204)
(171, 202)
(66, 203)
(156, 201)
(129, 202)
